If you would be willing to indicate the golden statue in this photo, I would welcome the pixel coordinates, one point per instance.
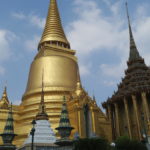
(61, 78)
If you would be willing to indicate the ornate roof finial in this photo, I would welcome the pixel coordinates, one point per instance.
(8, 134)
(4, 96)
(53, 32)
(134, 54)
(42, 115)
(94, 99)
(5, 92)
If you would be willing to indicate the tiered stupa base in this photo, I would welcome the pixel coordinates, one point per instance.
(7, 147)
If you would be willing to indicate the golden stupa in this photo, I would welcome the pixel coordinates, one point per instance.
(61, 78)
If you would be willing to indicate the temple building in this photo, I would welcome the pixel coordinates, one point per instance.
(128, 108)
(61, 78)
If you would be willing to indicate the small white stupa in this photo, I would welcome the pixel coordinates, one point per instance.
(43, 134)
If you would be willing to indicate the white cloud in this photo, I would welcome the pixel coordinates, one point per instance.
(20, 16)
(84, 69)
(32, 44)
(107, 2)
(17, 102)
(2, 70)
(142, 10)
(34, 20)
(113, 7)
(6, 37)
(31, 18)
(143, 38)
(109, 83)
(113, 71)
(94, 31)
(37, 21)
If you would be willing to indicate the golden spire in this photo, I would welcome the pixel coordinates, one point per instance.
(53, 32)
(79, 88)
(5, 92)
(4, 96)
(94, 99)
(42, 115)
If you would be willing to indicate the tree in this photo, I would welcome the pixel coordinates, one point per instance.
(91, 144)
(124, 143)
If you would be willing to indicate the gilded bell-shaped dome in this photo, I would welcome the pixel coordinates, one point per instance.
(55, 57)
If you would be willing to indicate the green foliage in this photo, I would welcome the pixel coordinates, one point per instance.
(124, 143)
(92, 144)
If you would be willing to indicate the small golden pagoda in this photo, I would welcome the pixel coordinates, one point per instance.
(61, 78)
(128, 109)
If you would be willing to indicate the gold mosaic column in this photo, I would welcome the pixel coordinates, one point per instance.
(109, 113)
(93, 120)
(117, 119)
(146, 112)
(136, 115)
(145, 106)
(127, 117)
(80, 121)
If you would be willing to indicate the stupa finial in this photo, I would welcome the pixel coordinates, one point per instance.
(42, 115)
(53, 32)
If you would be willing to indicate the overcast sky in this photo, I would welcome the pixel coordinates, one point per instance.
(96, 29)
